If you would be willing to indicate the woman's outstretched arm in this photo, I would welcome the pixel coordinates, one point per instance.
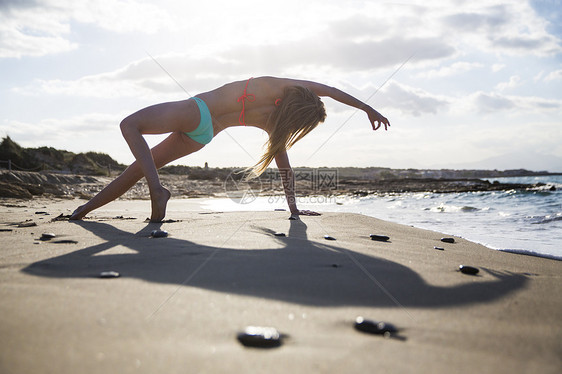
(288, 179)
(375, 117)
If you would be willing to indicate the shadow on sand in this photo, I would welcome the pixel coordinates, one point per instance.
(302, 271)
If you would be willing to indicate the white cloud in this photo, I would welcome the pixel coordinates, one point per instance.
(196, 73)
(514, 81)
(80, 127)
(487, 103)
(29, 28)
(453, 69)
(24, 32)
(340, 55)
(512, 28)
(497, 67)
(409, 100)
(117, 15)
(145, 78)
(484, 102)
(488, 19)
(554, 75)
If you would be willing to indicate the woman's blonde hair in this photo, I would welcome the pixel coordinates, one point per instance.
(300, 111)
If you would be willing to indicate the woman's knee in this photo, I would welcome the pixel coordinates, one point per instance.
(127, 126)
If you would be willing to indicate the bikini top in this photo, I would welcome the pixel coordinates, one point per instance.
(251, 98)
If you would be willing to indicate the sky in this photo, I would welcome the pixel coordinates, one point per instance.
(464, 83)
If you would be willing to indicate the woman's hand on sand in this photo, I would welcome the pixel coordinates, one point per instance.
(377, 119)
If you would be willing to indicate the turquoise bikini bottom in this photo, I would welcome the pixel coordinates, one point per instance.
(203, 134)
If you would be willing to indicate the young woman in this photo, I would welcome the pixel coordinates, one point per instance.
(287, 109)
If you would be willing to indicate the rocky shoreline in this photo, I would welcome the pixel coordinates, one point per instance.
(27, 185)
(434, 185)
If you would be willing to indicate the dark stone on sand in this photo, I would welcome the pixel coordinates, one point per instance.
(328, 237)
(448, 240)
(47, 236)
(43, 213)
(61, 217)
(470, 270)
(6, 230)
(373, 327)
(27, 224)
(279, 234)
(148, 220)
(379, 238)
(109, 274)
(158, 234)
(260, 337)
(66, 241)
(439, 248)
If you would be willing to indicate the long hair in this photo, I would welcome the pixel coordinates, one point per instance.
(300, 111)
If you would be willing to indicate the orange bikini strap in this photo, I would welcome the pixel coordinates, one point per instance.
(250, 98)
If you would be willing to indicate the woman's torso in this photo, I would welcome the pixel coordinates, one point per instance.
(226, 109)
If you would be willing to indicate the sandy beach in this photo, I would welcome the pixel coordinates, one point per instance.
(180, 301)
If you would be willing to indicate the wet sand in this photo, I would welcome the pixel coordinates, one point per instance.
(180, 301)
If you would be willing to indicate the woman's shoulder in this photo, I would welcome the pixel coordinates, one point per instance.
(278, 85)
(282, 83)
(267, 82)
(278, 81)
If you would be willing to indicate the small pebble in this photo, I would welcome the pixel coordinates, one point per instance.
(439, 248)
(61, 217)
(379, 238)
(47, 236)
(328, 237)
(109, 274)
(260, 337)
(448, 240)
(66, 241)
(279, 234)
(468, 270)
(158, 234)
(373, 327)
(27, 224)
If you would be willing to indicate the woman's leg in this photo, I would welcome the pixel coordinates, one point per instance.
(157, 119)
(159, 195)
(173, 147)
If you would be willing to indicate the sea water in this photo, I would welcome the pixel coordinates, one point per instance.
(526, 221)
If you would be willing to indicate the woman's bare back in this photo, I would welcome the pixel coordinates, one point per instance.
(225, 106)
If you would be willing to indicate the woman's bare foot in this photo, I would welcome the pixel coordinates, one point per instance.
(78, 214)
(159, 201)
